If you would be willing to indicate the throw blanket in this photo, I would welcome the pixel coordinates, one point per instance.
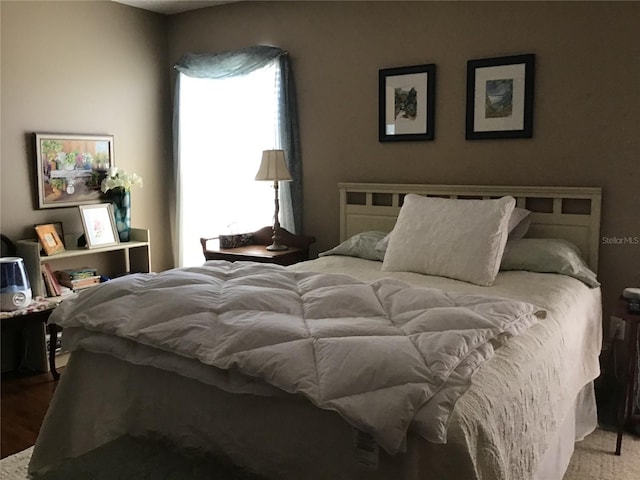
(373, 352)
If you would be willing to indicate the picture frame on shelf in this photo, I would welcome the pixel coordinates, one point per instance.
(70, 168)
(500, 97)
(99, 225)
(59, 231)
(406, 103)
(49, 238)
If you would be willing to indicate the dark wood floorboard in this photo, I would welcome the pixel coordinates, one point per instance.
(23, 404)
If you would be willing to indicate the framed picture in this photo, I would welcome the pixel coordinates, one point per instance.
(59, 230)
(71, 168)
(99, 225)
(500, 97)
(406, 103)
(49, 238)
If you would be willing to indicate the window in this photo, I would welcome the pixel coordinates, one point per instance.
(224, 126)
(229, 107)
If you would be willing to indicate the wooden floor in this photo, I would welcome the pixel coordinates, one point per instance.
(23, 403)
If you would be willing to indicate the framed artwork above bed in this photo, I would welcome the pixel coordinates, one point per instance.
(406, 103)
(500, 97)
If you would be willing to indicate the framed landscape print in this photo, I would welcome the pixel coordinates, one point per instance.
(500, 97)
(406, 103)
(70, 168)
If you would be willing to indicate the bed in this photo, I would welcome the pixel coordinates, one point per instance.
(517, 414)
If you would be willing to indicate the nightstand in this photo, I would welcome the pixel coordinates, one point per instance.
(256, 251)
(625, 406)
(37, 312)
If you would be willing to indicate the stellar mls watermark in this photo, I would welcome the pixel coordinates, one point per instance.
(615, 240)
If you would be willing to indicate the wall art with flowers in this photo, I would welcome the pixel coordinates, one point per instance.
(71, 168)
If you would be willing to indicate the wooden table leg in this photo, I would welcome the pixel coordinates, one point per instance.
(625, 407)
(53, 343)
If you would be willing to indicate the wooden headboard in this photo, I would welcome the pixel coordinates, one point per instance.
(571, 213)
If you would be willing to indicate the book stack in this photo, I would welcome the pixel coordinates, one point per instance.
(52, 286)
(78, 278)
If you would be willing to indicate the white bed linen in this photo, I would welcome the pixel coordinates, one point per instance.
(499, 429)
(375, 352)
(538, 375)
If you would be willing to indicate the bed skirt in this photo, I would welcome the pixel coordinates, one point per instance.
(100, 398)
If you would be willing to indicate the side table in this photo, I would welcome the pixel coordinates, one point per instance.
(258, 253)
(625, 406)
(297, 251)
(37, 312)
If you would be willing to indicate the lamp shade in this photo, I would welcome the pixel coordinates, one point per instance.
(273, 166)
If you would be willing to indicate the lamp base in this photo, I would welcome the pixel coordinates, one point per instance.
(276, 247)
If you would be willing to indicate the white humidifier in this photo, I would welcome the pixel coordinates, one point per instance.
(15, 290)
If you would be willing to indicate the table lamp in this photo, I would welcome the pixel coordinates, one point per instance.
(274, 168)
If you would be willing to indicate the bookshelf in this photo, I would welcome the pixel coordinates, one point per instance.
(127, 257)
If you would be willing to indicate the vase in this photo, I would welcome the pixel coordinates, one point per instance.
(121, 201)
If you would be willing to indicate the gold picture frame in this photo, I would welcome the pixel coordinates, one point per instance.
(49, 239)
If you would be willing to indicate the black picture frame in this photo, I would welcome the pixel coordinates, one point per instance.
(500, 97)
(410, 93)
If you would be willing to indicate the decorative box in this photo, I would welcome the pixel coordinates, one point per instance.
(236, 240)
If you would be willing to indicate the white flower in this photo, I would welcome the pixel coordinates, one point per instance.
(118, 178)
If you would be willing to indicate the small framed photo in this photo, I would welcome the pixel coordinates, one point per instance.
(59, 231)
(99, 225)
(500, 97)
(70, 168)
(49, 238)
(406, 108)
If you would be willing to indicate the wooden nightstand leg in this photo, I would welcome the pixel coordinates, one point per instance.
(53, 341)
(622, 407)
(625, 408)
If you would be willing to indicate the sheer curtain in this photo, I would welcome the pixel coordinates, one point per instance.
(228, 108)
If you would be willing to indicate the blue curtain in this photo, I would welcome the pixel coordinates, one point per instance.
(241, 62)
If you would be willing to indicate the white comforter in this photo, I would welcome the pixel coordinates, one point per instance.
(374, 352)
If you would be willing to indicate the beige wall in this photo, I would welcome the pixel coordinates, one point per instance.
(587, 99)
(85, 67)
(104, 67)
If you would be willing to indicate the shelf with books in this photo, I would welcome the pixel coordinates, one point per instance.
(111, 261)
(77, 279)
(114, 260)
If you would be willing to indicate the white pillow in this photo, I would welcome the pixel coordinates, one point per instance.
(519, 223)
(461, 239)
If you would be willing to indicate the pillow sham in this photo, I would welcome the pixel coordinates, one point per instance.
(362, 245)
(461, 239)
(382, 245)
(519, 223)
(548, 255)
